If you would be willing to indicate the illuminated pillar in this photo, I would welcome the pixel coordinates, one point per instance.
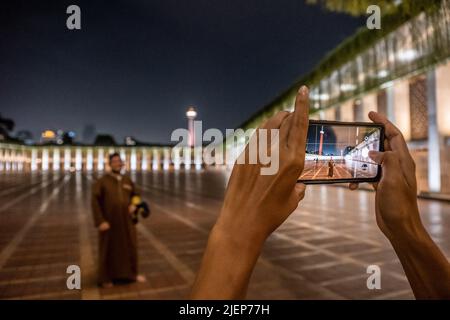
(402, 114)
(13, 160)
(191, 114)
(434, 148)
(44, 159)
(321, 141)
(123, 156)
(7, 160)
(78, 159)
(56, 159)
(2, 159)
(187, 158)
(100, 160)
(369, 103)
(67, 159)
(176, 158)
(21, 160)
(166, 163)
(144, 163)
(390, 103)
(443, 99)
(133, 160)
(347, 111)
(155, 160)
(198, 152)
(89, 160)
(34, 159)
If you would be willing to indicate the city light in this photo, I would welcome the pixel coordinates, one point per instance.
(191, 113)
(48, 134)
(346, 87)
(407, 55)
(321, 97)
(382, 74)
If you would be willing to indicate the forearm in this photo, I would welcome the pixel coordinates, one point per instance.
(427, 269)
(226, 267)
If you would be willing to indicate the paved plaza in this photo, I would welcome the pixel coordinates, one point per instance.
(321, 252)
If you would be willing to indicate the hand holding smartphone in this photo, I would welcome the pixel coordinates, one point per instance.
(338, 152)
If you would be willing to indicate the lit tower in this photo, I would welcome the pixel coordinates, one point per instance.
(191, 114)
(321, 142)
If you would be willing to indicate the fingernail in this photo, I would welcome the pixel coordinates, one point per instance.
(304, 90)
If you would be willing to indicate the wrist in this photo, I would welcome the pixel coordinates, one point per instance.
(236, 240)
(409, 232)
(241, 229)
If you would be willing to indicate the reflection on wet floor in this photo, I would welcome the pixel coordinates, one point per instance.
(321, 252)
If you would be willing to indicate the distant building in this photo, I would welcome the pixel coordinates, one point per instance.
(89, 134)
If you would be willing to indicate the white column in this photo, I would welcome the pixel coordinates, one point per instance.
(390, 103)
(166, 162)
(133, 160)
(155, 160)
(187, 158)
(34, 159)
(443, 99)
(78, 159)
(144, 163)
(100, 160)
(347, 111)
(402, 108)
(176, 157)
(434, 148)
(2, 159)
(369, 103)
(89, 159)
(20, 159)
(198, 153)
(123, 155)
(7, 160)
(44, 159)
(56, 159)
(13, 160)
(67, 159)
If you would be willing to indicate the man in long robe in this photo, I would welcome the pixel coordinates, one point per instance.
(112, 209)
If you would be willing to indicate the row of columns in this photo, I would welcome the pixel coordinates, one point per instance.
(41, 158)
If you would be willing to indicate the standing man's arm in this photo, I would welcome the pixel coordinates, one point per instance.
(397, 214)
(255, 205)
(97, 211)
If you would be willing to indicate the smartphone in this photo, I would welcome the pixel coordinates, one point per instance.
(338, 152)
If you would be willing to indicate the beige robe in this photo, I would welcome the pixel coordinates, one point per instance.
(111, 196)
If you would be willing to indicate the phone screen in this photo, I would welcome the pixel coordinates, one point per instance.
(339, 152)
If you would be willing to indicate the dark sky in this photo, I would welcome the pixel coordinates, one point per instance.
(136, 65)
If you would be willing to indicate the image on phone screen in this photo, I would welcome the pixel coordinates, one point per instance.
(339, 152)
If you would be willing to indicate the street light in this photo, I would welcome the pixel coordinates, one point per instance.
(191, 114)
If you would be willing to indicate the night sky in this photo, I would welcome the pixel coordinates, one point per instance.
(136, 65)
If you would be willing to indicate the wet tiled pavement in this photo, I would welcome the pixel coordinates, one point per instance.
(321, 252)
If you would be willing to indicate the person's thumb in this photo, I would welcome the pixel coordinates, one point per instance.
(377, 156)
(388, 160)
